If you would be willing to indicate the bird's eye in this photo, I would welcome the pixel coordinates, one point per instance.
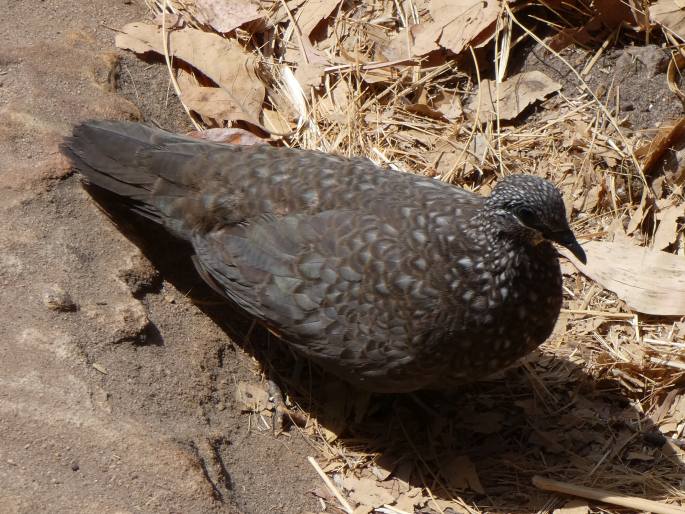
(527, 217)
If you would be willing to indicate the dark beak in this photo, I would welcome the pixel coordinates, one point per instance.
(567, 239)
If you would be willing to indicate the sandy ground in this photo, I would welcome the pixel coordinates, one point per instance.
(127, 403)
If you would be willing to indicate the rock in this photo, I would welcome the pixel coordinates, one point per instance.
(57, 299)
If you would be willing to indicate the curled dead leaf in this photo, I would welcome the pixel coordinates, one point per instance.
(670, 137)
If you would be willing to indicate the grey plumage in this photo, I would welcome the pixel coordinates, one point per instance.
(392, 281)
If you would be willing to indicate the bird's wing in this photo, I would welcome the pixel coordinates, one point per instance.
(333, 283)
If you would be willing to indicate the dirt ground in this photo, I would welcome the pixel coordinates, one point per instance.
(99, 410)
(119, 376)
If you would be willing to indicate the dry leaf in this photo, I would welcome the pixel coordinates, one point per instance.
(222, 60)
(278, 12)
(464, 22)
(212, 102)
(670, 14)
(456, 25)
(667, 231)
(312, 13)
(275, 122)
(367, 491)
(170, 20)
(637, 216)
(510, 97)
(309, 75)
(649, 281)
(253, 397)
(450, 107)
(669, 137)
(374, 76)
(461, 474)
(418, 40)
(225, 16)
(412, 498)
(424, 38)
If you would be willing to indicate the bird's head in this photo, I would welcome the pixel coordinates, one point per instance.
(531, 207)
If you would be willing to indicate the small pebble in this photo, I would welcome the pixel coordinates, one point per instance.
(57, 299)
(75, 466)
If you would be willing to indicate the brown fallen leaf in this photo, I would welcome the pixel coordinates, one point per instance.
(222, 60)
(275, 122)
(461, 474)
(669, 137)
(465, 22)
(638, 215)
(212, 102)
(670, 14)
(406, 501)
(511, 97)
(253, 397)
(225, 16)
(278, 11)
(667, 231)
(424, 37)
(312, 13)
(649, 281)
(450, 107)
(309, 75)
(456, 25)
(367, 491)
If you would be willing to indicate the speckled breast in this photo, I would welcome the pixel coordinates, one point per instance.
(509, 316)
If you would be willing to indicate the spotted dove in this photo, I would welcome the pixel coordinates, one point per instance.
(392, 281)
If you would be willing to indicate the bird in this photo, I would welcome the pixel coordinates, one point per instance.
(392, 281)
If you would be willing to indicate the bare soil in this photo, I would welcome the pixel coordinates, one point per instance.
(99, 410)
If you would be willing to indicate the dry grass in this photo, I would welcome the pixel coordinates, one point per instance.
(602, 403)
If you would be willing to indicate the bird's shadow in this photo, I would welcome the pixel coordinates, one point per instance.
(483, 442)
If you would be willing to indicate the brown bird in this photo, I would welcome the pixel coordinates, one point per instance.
(392, 281)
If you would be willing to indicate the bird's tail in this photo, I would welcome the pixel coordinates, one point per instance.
(130, 160)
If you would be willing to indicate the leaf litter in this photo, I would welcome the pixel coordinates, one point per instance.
(435, 88)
